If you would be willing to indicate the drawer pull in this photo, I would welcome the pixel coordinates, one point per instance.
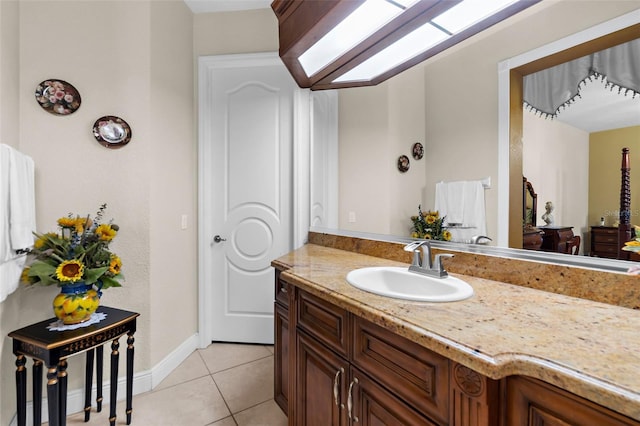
(283, 289)
(350, 400)
(336, 388)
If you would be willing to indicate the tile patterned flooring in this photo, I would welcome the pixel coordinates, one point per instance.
(226, 384)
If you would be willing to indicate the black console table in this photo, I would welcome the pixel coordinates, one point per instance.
(54, 347)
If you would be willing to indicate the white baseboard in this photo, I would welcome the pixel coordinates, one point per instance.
(143, 381)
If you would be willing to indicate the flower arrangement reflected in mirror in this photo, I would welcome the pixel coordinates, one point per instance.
(429, 226)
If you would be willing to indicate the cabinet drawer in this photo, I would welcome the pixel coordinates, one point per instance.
(605, 248)
(605, 238)
(417, 375)
(531, 402)
(282, 291)
(324, 321)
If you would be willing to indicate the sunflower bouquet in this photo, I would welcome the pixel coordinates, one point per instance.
(78, 253)
(430, 226)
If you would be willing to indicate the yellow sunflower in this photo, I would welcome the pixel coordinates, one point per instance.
(115, 265)
(70, 270)
(446, 235)
(67, 222)
(105, 232)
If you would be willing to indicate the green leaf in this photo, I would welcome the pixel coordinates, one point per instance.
(109, 282)
(92, 275)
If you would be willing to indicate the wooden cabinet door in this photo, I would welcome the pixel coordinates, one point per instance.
(372, 405)
(320, 384)
(281, 357)
(534, 403)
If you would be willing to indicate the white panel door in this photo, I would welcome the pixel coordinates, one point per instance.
(246, 146)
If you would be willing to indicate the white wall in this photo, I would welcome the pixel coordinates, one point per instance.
(555, 159)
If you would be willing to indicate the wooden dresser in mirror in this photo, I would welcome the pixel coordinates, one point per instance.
(531, 236)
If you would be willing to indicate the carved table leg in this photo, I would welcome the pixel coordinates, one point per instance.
(130, 341)
(21, 389)
(114, 382)
(53, 395)
(62, 391)
(88, 382)
(37, 392)
(99, 361)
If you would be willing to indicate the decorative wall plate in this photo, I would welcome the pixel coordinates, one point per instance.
(111, 131)
(417, 150)
(403, 163)
(58, 97)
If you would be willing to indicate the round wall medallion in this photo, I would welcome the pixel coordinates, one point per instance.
(58, 97)
(417, 150)
(111, 131)
(403, 163)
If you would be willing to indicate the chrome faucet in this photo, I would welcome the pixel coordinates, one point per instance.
(421, 262)
(477, 238)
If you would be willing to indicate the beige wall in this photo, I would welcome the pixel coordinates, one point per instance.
(461, 112)
(604, 179)
(376, 126)
(133, 60)
(556, 162)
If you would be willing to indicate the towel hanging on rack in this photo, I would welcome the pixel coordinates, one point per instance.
(463, 205)
(17, 215)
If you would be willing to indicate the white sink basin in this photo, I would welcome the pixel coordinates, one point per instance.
(399, 283)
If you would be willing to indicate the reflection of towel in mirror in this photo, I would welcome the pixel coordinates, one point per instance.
(17, 215)
(467, 205)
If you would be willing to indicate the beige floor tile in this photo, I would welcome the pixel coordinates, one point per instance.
(246, 385)
(227, 421)
(220, 356)
(196, 402)
(191, 368)
(266, 414)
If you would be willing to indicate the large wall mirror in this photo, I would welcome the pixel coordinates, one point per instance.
(465, 115)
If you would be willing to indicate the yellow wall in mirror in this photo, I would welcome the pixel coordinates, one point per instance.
(604, 178)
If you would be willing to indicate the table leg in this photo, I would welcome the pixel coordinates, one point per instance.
(130, 341)
(53, 395)
(88, 382)
(99, 362)
(62, 391)
(21, 389)
(37, 392)
(114, 382)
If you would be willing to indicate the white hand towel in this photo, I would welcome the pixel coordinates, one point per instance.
(17, 215)
(22, 202)
(450, 201)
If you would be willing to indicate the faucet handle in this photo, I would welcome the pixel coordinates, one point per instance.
(415, 245)
(438, 264)
(415, 248)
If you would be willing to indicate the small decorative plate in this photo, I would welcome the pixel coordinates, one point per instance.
(58, 97)
(403, 163)
(417, 150)
(111, 131)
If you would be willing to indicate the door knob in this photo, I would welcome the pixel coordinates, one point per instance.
(218, 239)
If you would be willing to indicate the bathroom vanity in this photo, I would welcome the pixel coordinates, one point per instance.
(509, 355)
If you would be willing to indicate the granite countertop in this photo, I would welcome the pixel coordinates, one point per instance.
(589, 348)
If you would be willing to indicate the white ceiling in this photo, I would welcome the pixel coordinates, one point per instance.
(598, 108)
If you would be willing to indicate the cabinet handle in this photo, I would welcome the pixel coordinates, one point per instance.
(283, 289)
(350, 400)
(336, 388)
